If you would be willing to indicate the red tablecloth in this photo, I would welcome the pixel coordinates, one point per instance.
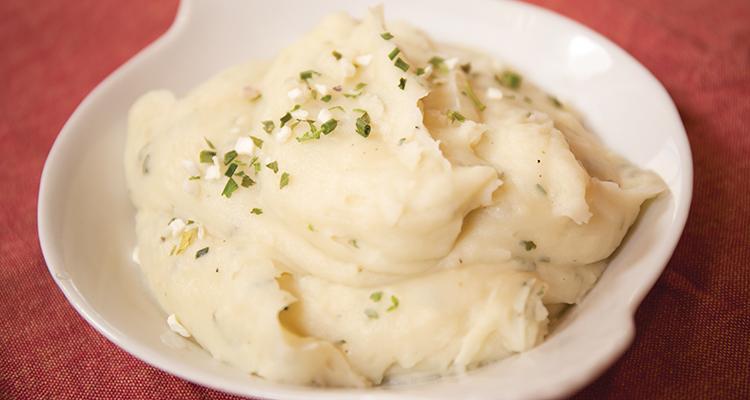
(693, 337)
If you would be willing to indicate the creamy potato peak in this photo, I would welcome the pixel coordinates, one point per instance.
(371, 205)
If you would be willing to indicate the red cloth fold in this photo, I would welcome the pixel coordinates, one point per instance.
(693, 337)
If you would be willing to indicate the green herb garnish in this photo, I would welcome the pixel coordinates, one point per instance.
(268, 126)
(456, 116)
(386, 35)
(394, 304)
(256, 211)
(360, 86)
(473, 97)
(247, 181)
(419, 71)
(229, 156)
(207, 156)
(363, 125)
(401, 141)
(509, 79)
(230, 170)
(326, 98)
(310, 228)
(285, 119)
(402, 83)
(273, 166)
(194, 178)
(305, 75)
(284, 180)
(336, 55)
(328, 126)
(401, 64)
(229, 188)
(376, 296)
(372, 314)
(258, 142)
(394, 53)
(354, 243)
(202, 252)
(540, 188)
(210, 145)
(337, 108)
(528, 245)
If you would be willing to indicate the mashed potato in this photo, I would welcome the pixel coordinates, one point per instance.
(369, 206)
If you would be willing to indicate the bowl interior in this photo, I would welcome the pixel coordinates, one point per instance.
(86, 222)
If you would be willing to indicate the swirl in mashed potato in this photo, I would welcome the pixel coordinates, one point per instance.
(371, 205)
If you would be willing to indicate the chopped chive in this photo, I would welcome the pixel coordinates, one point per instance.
(285, 119)
(328, 126)
(247, 181)
(401, 64)
(229, 156)
(363, 125)
(210, 145)
(207, 156)
(401, 141)
(230, 170)
(268, 126)
(273, 166)
(394, 304)
(229, 188)
(336, 55)
(360, 86)
(394, 53)
(326, 98)
(386, 35)
(258, 142)
(336, 108)
(305, 75)
(359, 110)
(420, 71)
(371, 314)
(284, 180)
(473, 97)
(352, 95)
(509, 79)
(353, 243)
(456, 116)
(194, 178)
(376, 296)
(402, 83)
(436, 61)
(202, 252)
(310, 228)
(256, 211)
(528, 245)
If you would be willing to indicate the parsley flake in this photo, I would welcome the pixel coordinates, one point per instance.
(230, 170)
(326, 98)
(376, 296)
(386, 35)
(420, 71)
(402, 83)
(336, 55)
(247, 181)
(371, 314)
(305, 75)
(286, 118)
(256, 211)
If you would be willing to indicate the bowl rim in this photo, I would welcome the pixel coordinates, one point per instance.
(155, 359)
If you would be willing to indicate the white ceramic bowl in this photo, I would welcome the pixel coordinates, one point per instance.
(86, 220)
